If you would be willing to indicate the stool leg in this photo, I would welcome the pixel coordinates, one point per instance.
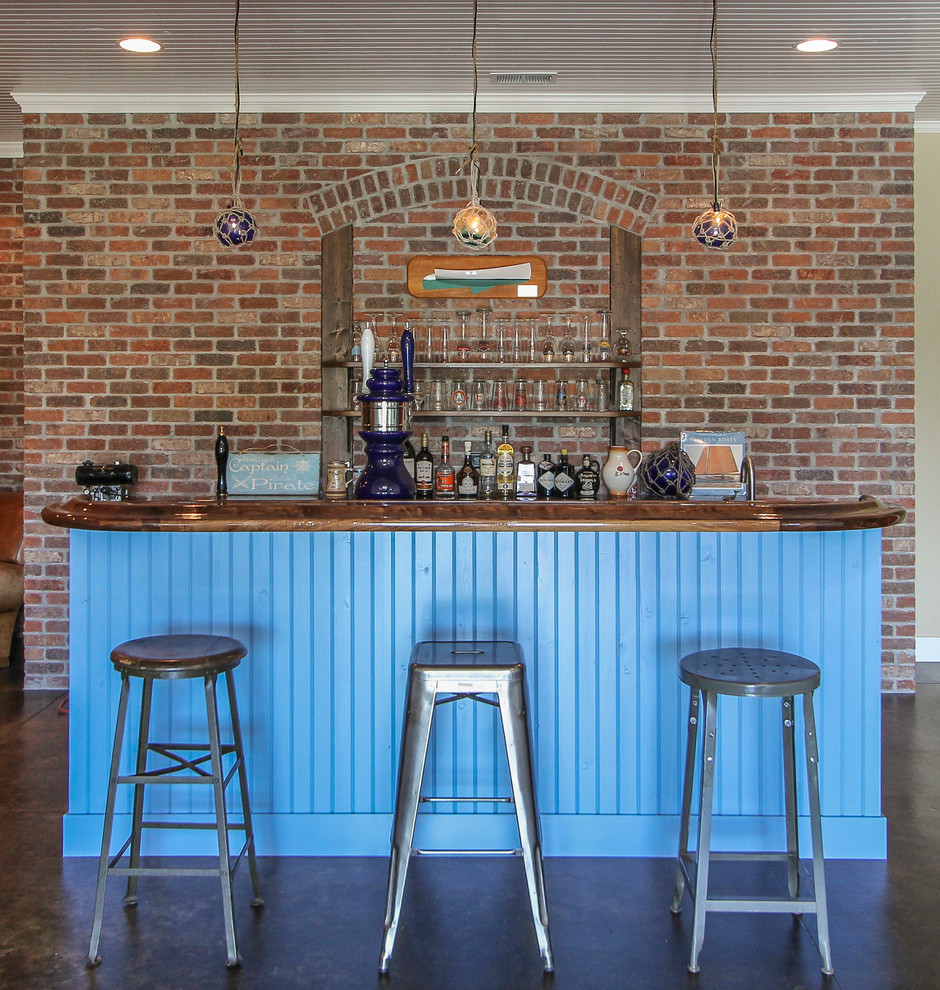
(258, 900)
(143, 740)
(704, 827)
(788, 716)
(221, 820)
(512, 712)
(93, 958)
(419, 710)
(815, 817)
(687, 785)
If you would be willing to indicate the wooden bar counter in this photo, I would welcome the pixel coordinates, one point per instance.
(604, 598)
(274, 515)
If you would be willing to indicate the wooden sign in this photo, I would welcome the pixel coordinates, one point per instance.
(258, 474)
(497, 276)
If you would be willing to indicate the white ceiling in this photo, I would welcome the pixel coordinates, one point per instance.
(414, 54)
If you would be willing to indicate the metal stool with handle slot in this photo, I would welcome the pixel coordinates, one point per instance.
(750, 673)
(466, 669)
(178, 657)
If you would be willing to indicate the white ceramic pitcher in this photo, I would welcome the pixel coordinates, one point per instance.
(618, 472)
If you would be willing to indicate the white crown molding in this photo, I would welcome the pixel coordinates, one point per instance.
(11, 149)
(927, 126)
(514, 101)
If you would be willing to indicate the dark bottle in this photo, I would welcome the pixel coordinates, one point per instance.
(546, 476)
(468, 478)
(587, 481)
(424, 471)
(409, 457)
(488, 469)
(564, 477)
(221, 462)
(445, 485)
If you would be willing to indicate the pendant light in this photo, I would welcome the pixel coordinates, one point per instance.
(715, 228)
(236, 226)
(474, 225)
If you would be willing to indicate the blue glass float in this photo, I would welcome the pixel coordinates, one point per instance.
(667, 473)
(715, 228)
(235, 226)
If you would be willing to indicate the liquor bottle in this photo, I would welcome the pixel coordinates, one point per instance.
(409, 457)
(545, 476)
(587, 481)
(488, 468)
(221, 463)
(526, 485)
(505, 467)
(424, 471)
(445, 476)
(468, 478)
(625, 392)
(564, 477)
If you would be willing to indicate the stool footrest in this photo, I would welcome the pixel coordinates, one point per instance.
(762, 905)
(466, 852)
(466, 800)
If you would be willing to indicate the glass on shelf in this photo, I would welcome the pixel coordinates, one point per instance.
(458, 395)
(581, 402)
(531, 328)
(462, 343)
(622, 348)
(521, 395)
(419, 395)
(586, 347)
(443, 354)
(479, 394)
(561, 395)
(502, 340)
(484, 344)
(548, 347)
(603, 344)
(541, 395)
(500, 400)
(355, 342)
(568, 347)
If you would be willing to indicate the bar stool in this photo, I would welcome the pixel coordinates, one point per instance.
(174, 658)
(466, 669)
(750, 673)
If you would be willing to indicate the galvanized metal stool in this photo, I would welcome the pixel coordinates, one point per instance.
(750, 673)
(466, 669)
(173, 658)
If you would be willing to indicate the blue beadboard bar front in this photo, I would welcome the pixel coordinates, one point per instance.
(329, 619)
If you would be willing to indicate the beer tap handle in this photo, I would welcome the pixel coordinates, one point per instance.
(368, 353)
(408, 360)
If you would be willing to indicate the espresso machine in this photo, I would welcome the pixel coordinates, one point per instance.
(386, 422)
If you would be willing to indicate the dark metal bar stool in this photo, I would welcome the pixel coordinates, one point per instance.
(466, 669)
(175, 658)
(750, 673)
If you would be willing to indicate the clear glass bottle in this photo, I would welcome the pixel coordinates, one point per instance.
(505, 467)
(445, 477)
(468, 478)
(526, 486)
(603, 345)
(545, 476)
(564, 477)
(487, 488)
(424, 471)
(625, 392)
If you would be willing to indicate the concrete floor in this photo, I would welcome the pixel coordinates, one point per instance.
(465, 924)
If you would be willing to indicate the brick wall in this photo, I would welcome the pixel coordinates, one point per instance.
(11, 324)
(142, 332)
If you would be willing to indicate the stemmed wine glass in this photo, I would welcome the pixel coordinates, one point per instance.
(484, 344)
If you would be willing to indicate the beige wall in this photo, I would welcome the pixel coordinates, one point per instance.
(927, 391)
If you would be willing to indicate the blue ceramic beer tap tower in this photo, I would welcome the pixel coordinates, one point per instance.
(386, 415)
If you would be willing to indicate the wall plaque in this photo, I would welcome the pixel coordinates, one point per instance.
(260, 473)
(494, 277)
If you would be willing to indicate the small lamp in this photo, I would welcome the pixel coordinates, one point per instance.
(236, 226)
(715, 228)
(474, 225)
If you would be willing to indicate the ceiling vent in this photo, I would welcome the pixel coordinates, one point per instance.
(522, 78)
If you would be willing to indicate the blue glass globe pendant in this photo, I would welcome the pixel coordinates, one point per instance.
(715, 228)
(235, 226)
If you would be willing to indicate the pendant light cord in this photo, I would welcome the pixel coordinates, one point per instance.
(472, 156)
(716, 150)
(237, 166)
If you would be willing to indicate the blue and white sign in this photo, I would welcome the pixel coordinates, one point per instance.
(259, 474)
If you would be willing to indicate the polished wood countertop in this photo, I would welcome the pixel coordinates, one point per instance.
(238, 515)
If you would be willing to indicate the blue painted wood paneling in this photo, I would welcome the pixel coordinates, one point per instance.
(330, 618)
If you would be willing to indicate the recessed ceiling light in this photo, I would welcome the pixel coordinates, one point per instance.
(817, 45)
(139, 45)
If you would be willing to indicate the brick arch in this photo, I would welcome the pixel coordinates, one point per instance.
(534, 181)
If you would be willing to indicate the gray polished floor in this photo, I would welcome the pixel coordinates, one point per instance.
(465, 923)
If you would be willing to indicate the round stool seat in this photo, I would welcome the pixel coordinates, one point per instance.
(178, 656)
(749, 673)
